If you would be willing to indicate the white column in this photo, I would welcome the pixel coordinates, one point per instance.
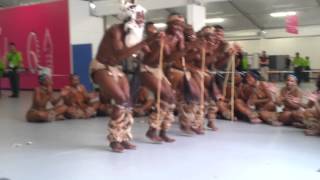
(196, 16)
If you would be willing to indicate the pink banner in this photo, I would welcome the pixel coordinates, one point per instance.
(41, 33)
(292, 24)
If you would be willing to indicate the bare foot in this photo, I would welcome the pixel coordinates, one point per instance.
(127, 145)
(312, 132)
(255, 121)
(276, 123)
(152, 135)
(116, 147)
(198, 131)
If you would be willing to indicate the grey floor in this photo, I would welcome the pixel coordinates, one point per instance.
(77, 150)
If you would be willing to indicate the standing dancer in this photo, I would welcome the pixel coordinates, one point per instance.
(152, 76)
(223, 53)
(119, 42)
(192, 110)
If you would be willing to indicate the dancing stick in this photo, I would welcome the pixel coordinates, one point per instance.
(160, 79)
(225, 83)
(203, 61)
(232, 87)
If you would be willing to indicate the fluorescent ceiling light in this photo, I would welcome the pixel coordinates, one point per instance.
(214, 20)
(283, 14)
(92, 5)
(160, 25)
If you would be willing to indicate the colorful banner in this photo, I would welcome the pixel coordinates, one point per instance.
(292, 24)
(41, 33)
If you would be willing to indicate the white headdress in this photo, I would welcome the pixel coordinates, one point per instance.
(129, 10)
(44, 71)
(135, 31)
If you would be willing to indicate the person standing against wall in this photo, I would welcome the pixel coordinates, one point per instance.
(14, 62)
(306, 67)
(264, 65)
(298, 66)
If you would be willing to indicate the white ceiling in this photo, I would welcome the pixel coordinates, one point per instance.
(239, 14)
(252, 14)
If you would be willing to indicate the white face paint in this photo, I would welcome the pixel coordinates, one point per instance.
(134, 30)
(130, 10)
(135, 33)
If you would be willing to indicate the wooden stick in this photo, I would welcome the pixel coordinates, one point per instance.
(225, 83)
(203, 62)
(233, 66)
(160, 80)
(183, 62)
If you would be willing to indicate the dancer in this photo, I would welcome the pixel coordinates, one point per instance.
(78, 100)
(119, 42)
(291, 98)
(152, 74)
(43, 95)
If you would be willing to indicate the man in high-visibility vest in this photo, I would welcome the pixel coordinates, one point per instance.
(14, 62)
(298, 66)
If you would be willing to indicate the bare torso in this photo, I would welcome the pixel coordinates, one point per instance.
(41, 98)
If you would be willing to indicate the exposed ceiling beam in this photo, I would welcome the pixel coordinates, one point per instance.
(242, 12)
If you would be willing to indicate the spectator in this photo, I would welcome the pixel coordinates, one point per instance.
(306, 67)
(14, 62)
(1, 68)
(298, 66)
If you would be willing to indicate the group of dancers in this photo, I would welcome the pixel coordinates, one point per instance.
(179, 66)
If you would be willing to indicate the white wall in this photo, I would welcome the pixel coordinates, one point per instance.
(83, 27)
(307, 46)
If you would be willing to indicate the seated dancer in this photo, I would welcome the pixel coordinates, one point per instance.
(144, 103)
(42, 98)
(312, 112)
(261, 100)
(316, 93)
(291, 98)
(152, 74)
(78, 100)
(244, 106)
(119, 42)
(312, 117)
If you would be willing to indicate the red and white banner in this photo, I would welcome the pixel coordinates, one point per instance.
(41, 33)
(292, 23)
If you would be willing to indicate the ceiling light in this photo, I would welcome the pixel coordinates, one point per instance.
(283, 14)
(92, 5)
(214, 20)
(160, 25)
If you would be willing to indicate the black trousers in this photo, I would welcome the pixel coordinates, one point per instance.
(14, 79)
(306, 74)
(299, 74)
